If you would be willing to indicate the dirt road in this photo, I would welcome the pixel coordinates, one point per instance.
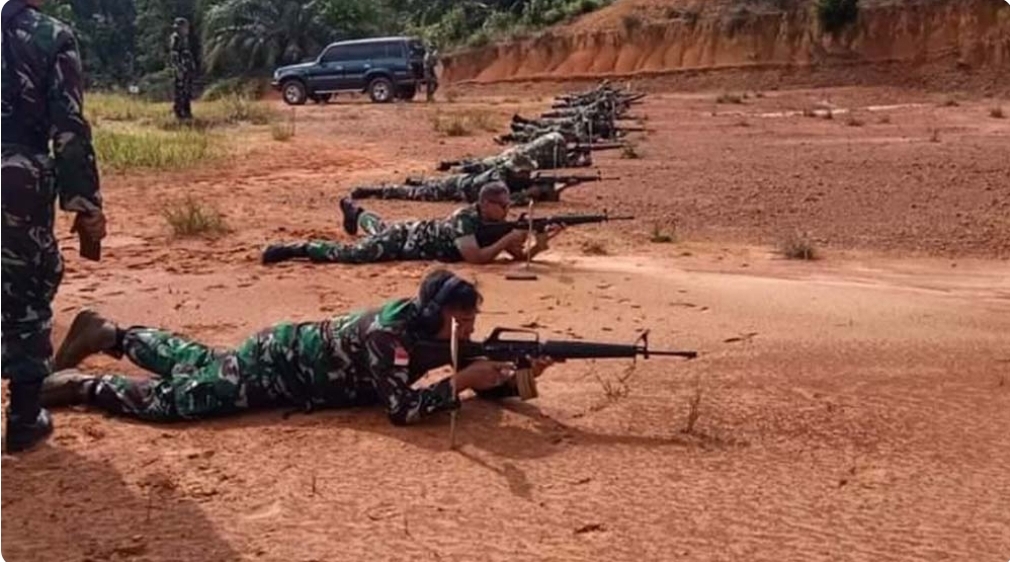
(853, 408)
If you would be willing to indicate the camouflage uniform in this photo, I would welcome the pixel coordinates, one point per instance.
(457, 187)
(42, 100)
(359, 359)
(413, 240)
(430, 80)
(548, 151)
(183, 68)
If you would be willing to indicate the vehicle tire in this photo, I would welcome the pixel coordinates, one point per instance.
(380, 90)
(293, 92)
(406, 92)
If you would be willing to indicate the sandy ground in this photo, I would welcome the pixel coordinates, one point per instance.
(852, 408)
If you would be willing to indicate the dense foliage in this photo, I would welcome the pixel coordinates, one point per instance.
(126, 41)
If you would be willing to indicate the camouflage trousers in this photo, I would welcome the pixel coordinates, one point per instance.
(286, 364)
(32, 267)
(182, 94)
(424, 190)
(394, 242)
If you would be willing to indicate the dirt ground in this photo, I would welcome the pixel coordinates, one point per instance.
(851, 408)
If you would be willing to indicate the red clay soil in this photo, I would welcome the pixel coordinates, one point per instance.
(921, 43)
(851, 408)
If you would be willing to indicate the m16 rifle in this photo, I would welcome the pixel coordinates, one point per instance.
(490, 232)
(520, 351)
(569, 179)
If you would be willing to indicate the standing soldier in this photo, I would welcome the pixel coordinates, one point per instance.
(42, 102)
(183, 67)
(430, 79)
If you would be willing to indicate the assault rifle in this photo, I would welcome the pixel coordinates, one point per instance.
(520, 351)
(569, 179)
(585, 147)
(490, 232)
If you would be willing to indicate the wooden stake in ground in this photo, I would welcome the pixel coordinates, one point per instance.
(454, 355)
(525, 274)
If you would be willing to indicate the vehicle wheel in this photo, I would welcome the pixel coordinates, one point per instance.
(406, 92)
(322, 98)
(381, 90)
(293, 92)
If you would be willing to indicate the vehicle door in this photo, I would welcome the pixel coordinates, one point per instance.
(358, 64)
(328, 73)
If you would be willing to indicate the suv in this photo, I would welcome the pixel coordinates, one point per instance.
(385, 67)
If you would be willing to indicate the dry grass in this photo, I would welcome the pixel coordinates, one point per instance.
(798, 246)
(189, 218)
(660, 237)
(694, 408)
(594, 248)
(727, 97)
(282, 131)
(630, 152)
(463, 123)
(997, 112)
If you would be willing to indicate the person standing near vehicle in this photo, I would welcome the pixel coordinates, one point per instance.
(430, 79)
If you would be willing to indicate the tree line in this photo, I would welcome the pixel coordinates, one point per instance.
(126, 41)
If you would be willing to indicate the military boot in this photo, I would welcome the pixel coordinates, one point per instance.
(69, 387)
(366, 192)
(283, 252)
(90, 333)
(351, 211)
(27, 422)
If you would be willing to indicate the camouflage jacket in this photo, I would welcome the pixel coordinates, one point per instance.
(440, 236)
(43, 101)
(183, 62)
(360, 358)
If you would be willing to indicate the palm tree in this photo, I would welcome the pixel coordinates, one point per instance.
(262, 34)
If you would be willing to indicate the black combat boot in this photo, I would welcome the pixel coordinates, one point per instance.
(366, 192)
(283, 252)
(69, 387)
(89, 333)
(351, 212)
(27, 422)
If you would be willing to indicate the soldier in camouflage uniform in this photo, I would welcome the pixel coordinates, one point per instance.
(42, 99)
(358, 359)
(183, 69)
(452, 239)
(514, 172)
(549, 151)
(430, 79)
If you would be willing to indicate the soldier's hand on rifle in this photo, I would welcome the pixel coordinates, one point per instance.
(90, 225)
(483, 375)
(539, 364)
(516, 238)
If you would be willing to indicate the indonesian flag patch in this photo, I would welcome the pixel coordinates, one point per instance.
(400, 356)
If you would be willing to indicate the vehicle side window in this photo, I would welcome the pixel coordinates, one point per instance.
(394, 50)
(335, 54)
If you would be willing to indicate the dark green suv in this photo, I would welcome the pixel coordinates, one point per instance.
(385, 67)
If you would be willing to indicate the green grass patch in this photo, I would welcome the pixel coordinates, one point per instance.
(151, 149)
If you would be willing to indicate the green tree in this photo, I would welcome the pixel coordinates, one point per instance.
(256, 35)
